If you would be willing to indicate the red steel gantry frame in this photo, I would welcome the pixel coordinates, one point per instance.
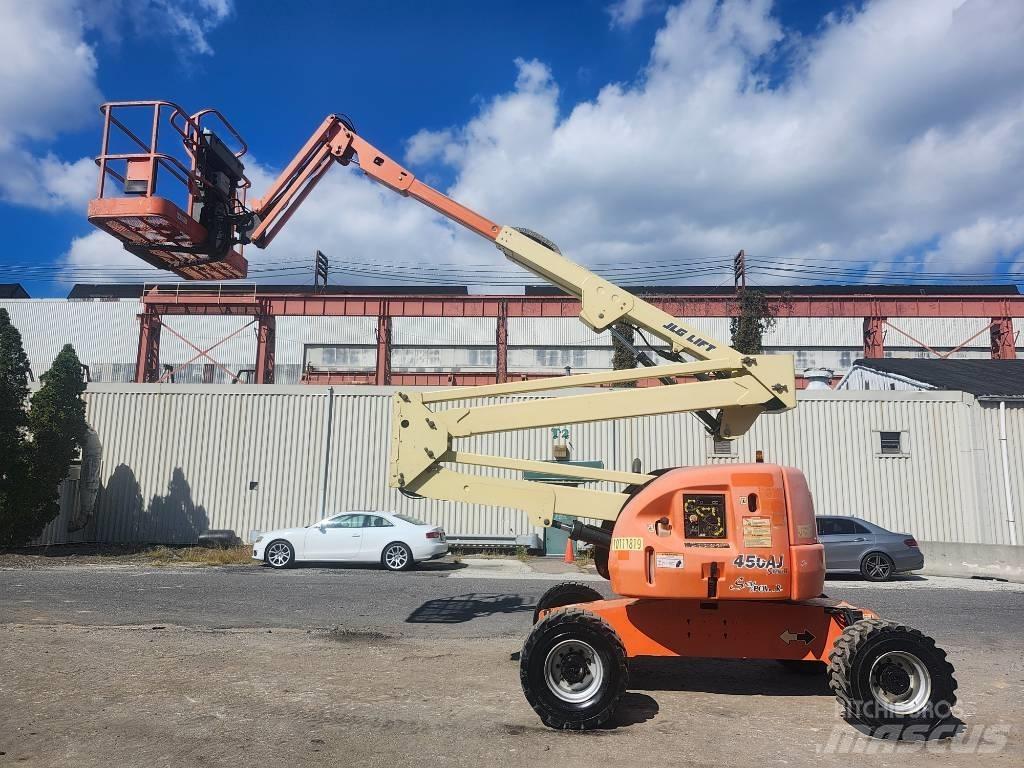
(266, 307)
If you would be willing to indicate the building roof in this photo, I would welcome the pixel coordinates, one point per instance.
(12, 291)
(134, 290)
(981, 378)
(805, 290)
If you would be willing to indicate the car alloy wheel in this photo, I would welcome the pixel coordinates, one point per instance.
(396, 557)
(279, 554)
(877, 567)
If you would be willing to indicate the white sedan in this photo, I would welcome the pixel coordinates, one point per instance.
(396, 541)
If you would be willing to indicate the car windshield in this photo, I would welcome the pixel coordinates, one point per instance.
(410, 519)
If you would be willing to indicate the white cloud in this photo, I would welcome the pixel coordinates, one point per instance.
(892, 138)
(898, 125)
(48, 83)
(360, 224)
(100, 252)
(626, 13)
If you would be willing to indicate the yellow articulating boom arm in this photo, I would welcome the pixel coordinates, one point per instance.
(738, 387)
(423, 436)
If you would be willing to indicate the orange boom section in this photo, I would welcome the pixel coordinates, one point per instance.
(178, 204)
(738, 532)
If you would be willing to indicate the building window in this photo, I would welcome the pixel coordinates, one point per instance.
(892, 444)
(721, 448)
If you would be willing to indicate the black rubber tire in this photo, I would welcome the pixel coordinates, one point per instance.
(850, 668)
(409, 563)
(867, 573)
(802, 667)
(566, 593)
(291, 554)
(573, 624)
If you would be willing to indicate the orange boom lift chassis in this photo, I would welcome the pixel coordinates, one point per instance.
(719, 561)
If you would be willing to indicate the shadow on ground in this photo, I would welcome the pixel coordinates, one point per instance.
(462, 608)
(727, 676)
(435, 566)
(840, 577)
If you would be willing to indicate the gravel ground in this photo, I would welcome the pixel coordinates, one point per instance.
(132, 666)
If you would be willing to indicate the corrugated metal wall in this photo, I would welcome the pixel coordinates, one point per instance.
(989, 461)
(178, 459)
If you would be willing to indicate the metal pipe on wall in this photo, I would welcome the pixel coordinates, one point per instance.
(326, 471)
(1010, 517)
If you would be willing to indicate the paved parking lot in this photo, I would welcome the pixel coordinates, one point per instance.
(130, 665)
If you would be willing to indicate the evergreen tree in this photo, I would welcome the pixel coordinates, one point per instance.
(14, 451)
(57, 423)
(38, 446)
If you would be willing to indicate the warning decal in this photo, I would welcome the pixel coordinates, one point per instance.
(757, 532)
(668, 560)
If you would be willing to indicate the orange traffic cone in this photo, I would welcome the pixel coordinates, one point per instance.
(569, 551)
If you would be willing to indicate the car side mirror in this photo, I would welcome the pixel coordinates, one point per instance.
(323, 528)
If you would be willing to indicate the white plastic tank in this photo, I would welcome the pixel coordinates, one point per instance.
(818, 378)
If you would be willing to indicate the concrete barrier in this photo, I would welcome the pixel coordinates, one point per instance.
(995, 560)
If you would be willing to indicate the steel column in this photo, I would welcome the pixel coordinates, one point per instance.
(1004, 345)
(383, 372)
(147, 358)
(874, 337)
(266, 342)
(501, 343)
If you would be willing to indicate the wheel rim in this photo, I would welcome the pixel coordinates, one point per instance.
(279, 554)
(900, 682)
(396, 557)
(878, 567)
(573, 671)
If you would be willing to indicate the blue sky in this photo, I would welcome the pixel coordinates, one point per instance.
(843, 140)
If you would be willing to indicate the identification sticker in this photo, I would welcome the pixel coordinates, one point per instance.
(668, 560)
(804, 531)
(757, 532)
(628, 543)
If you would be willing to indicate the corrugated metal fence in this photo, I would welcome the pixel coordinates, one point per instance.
(178, 459)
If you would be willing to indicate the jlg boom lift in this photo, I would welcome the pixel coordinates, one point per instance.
(717, 561)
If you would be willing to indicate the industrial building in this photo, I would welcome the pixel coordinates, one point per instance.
(189, 333)
(193, 445)
(171, 460)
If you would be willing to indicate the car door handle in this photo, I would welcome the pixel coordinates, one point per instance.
(860, 539)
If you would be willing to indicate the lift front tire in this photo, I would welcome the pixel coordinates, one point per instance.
(884, 673)
(573, 670)
(566, 593)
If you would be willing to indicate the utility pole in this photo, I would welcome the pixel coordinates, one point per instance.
(320, 267)
(739, 270)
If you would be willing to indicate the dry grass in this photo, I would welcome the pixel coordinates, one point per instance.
(200, 556)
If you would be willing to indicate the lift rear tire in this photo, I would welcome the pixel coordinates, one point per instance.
(566, 593)
(573, 670)
(884, 673)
